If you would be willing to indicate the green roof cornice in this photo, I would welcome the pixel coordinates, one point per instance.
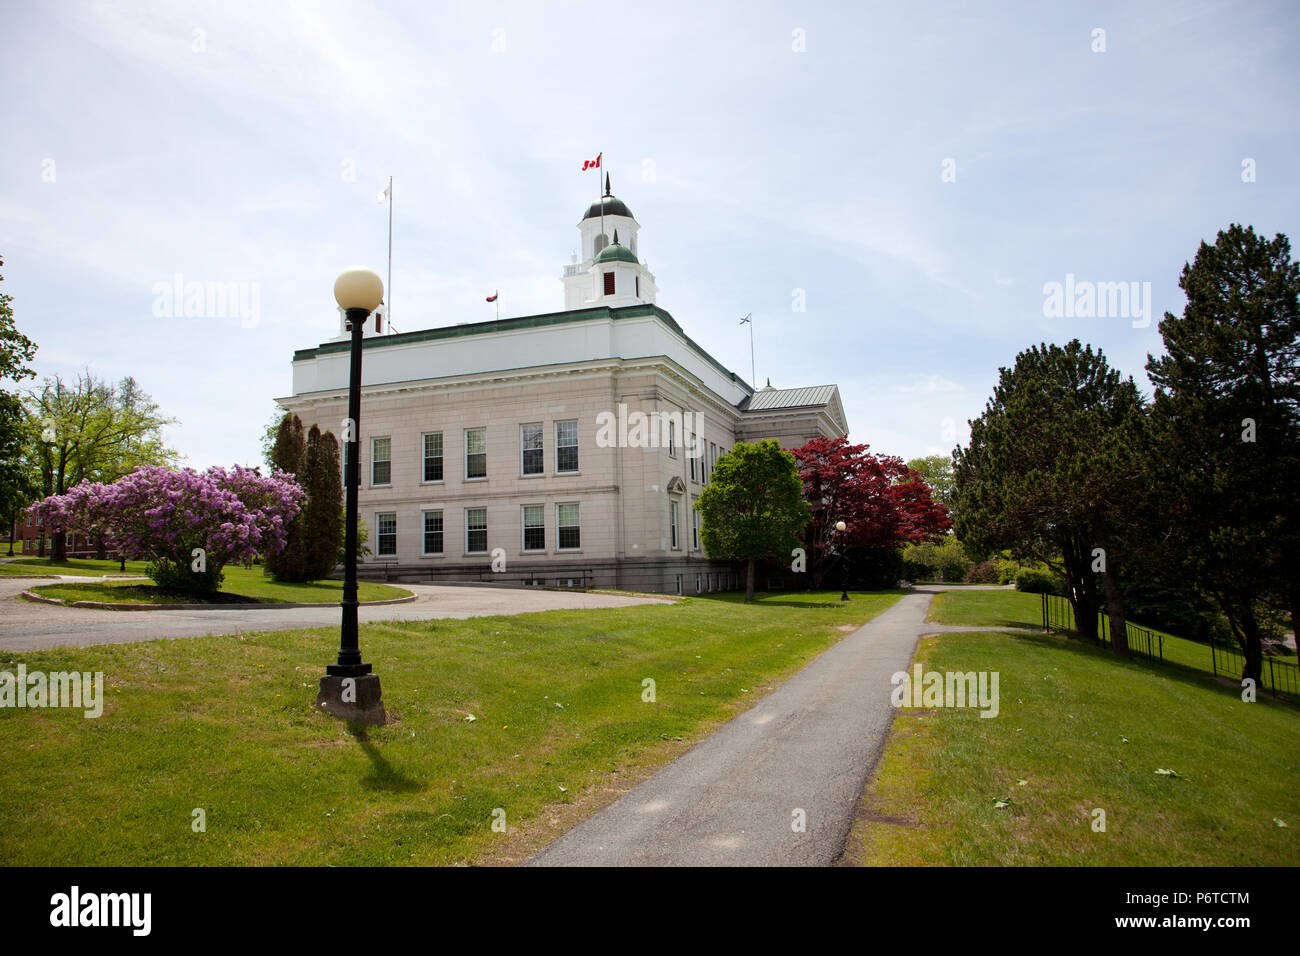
(521, 322)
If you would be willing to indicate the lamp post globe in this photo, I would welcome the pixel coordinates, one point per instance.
(841, 527)
(359, 288)
(349, 690)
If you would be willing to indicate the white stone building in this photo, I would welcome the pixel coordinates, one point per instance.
(519, 442)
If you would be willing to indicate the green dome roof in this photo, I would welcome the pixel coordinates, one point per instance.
(616, 253)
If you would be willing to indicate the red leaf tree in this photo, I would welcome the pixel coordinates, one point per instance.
(884, 503)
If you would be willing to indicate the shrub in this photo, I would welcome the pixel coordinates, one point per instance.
(1008, 568)
(953, 563)
(173, 518)
(926, 561)
(1035, 581)
(986, 572)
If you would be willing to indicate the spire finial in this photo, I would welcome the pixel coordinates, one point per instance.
(615, 237)
(607, 184)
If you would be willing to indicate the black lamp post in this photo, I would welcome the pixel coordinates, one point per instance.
(840, 526)
(349, 690)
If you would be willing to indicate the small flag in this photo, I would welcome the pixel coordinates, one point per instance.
(493, 296)
(592, 163)
(747, 318)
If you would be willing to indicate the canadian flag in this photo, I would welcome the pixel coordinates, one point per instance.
(493, 296)
(592, 163)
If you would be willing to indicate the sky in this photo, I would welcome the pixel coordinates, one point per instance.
(890, 189)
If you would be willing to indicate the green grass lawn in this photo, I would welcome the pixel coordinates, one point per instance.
(228, 724)
(87, 566)
(987, 608)
(1083, 731)
(1012, 608)
(244, 582)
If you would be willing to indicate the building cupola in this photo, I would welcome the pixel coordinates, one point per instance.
(609, 271)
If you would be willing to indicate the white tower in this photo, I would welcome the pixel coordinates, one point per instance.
(609, 272)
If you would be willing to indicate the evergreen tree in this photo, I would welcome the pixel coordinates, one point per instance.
(323, 514)
(1048, 460)
(289, 454)
(1226, 426)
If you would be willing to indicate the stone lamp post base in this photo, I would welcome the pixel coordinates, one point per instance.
(354, 699)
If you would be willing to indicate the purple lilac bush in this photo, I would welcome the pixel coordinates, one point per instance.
(162, 516)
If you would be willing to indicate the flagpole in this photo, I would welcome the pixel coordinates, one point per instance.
(753, 376)
(390, 255)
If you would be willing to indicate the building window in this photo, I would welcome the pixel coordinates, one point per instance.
(531, 444)
(476, 453)
(381, 461)
(433, 456)
(568, 528)
(695, 528)
(566, 447)
(672, 523)
(602, 241)
(672, 438)
(692, 458)
(713, 458)
(609, 283)
(698, 589)
(433, 532)
(387, 541)
(534, 528)
(475, 530)
(679, 584)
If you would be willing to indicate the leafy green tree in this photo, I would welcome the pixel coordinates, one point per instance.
(1226, 429)
(92, 430)
(753, 507)
(269, 434)
(323, 513)
(936, 472)
(16, 349)
(18, 487)
(1047, 459)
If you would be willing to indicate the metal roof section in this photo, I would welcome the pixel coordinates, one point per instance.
(789, 398)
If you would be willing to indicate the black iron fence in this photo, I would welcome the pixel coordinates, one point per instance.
(1058, 615)
(1279, 678)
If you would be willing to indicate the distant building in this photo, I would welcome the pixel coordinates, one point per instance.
(32, 539)
(557, 444)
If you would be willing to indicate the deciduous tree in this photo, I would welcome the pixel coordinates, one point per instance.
(753, 507)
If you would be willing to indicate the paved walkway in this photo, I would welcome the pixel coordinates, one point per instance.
(808, 746)
(29, 626)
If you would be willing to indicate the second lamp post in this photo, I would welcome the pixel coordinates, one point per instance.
(840, 527)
